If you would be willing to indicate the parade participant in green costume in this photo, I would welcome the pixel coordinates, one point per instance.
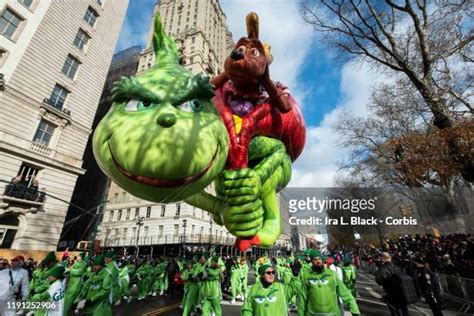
(124, 276)
(320, 291)
(112, 268)
(161, 278)
(55, 292)
(96, 295)
(141, 276)
(235, 285)
(40, 282)
(211, 289)
(269, 297)
(163, 141)
(191, 290)
(244, 272)
(76, 273)
(349, 275)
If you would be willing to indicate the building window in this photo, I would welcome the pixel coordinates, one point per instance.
(116, 197)
(125, 231)
(134, 232)
(178, 209)
(3, 55)
(193, 40)
(160, 231)
(127, 217)
(119, 215)
(148, 212)
(163, 210)
(191, 60)
(91, 16)
(192, 229)
(81, 39)
(43, 133)
(124, 196)
(26, 3)
(146, 231)
(194, 211)
(176, 230)
(58, 96)
(111, 216)
(70, 66)
(9, 23)
(137, 211)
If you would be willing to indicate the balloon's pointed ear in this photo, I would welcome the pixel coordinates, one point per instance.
(163, 45)
(252, 25)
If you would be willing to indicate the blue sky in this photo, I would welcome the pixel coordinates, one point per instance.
(322, 86)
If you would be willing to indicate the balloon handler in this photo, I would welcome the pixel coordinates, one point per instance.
(169, 135)
(320, 290)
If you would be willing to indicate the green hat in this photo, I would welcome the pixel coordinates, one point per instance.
(307, 252)
(215, 259)
(82, 255)
(347, 259)
(262, 269)
(99, 260)
(110, 254)
(314, 253)
(57, 272)
(50, 258)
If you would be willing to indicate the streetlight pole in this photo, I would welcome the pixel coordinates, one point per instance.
(96, 223)
(139, 223)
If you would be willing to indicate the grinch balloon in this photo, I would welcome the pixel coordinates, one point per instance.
(170, 134)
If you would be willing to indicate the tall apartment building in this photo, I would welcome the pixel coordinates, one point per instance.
(204, 41)
(54, 57)
(90, 197)
(200, 30)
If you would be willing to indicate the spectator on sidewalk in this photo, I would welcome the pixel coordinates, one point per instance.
(14, 285)
(384, 277)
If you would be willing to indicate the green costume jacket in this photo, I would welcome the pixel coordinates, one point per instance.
(76, 273)
(270, 301)
(98, 292)
(211, 285)
(319, 294)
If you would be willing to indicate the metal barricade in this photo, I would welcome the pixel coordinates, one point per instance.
(458, 290)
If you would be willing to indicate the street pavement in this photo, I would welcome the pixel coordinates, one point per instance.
(369, 296)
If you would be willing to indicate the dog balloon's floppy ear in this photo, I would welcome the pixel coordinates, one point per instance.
(252, 25)
(267, 47)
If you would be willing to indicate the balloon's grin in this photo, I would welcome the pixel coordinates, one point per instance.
(170, 183)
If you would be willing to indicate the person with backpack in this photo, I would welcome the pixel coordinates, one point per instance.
(399, 287)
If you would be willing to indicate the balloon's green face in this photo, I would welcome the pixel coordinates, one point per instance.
(162, 140)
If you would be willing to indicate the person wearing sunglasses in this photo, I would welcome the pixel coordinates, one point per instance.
(269, 297)
(320, 290)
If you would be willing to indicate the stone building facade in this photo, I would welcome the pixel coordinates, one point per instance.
(54, 57)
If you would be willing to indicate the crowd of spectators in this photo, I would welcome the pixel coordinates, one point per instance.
(450, 254)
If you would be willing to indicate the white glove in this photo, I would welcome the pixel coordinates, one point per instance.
(81, 304)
